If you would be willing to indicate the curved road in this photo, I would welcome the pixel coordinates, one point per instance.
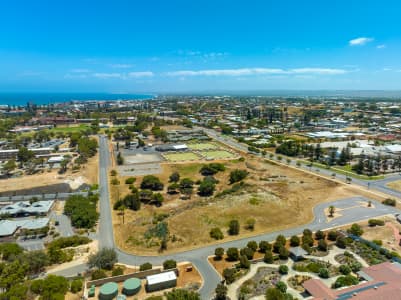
(351, 211)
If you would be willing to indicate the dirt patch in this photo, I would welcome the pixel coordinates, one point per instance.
(395, 185)
(388, 234)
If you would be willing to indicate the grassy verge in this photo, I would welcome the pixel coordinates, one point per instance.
(344, 171)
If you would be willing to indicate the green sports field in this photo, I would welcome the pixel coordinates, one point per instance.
(202, 146)
(185, 156)
(217, 154)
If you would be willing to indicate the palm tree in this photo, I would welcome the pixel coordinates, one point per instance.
(332, 209)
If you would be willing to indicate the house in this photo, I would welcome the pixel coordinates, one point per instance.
(8, 228)
(297, 253)
(161, 281)
(382, 281)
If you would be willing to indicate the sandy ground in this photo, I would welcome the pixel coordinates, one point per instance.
(278, 198)
(396, 185)
(388, 234)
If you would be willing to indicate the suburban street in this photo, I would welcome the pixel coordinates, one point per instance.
(352, 210)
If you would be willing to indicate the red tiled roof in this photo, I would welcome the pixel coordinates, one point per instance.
(318, 289)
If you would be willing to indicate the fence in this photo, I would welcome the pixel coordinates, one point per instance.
(60, 196)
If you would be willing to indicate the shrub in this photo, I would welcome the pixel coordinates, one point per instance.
(345, 281)
(174, 177)
(324, 273)
(237, 175)
(98, 274)
(115, 181)
(233, 227)
(169, 264)
(355, 230)
(376, 222)
(130, 180)
(378, 242)
(344, 269)
(389, 202)
(232, 254)
(216, 233)
(105, 258)
(250, 224)
(283, 269)
(145, 266)
(117, 271)
(76, 286)
(219, 253)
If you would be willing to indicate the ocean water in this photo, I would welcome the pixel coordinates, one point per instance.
(48, 98)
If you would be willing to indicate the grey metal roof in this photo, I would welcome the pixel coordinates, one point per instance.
(298, 251)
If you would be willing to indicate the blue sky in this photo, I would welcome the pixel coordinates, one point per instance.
(182, 46)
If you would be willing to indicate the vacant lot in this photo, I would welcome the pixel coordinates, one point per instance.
(276, 197)
(388, 234)
(202, 146)
(184, 156)
(218, 154)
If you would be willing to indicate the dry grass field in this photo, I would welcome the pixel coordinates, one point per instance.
(395, 185)
(275, 196)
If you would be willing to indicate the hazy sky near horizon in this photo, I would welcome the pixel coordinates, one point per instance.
(177, 46)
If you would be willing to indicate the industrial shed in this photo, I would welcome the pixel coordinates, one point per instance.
(161, 281)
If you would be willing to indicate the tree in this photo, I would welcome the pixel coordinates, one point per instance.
(268, 258)
(248, 252)
(332, 235)
(252, 245)
(174, 177)
(186, 186)
(35, 260)
(355, 230)
(283, 253)
(233, 227)
(50, 286)
(221, 292)
(322, 245)
(232, 254)
(169, 264)
(132, 201)
(206, 188)
(295, 241)
(229, 275)
(244, 262)
(105, 258)
(24, 155)
(264, 246)
(219, 253)
(332, 209)
(150, 182)
(117, 271)
(281, 286)
(157, 199)
(274, 294)
(216, 233)
(319, 235)
(145, 266)
(237, 175)
(9, 166)
(341, 242)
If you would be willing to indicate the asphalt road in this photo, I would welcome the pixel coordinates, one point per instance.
(351, 212)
